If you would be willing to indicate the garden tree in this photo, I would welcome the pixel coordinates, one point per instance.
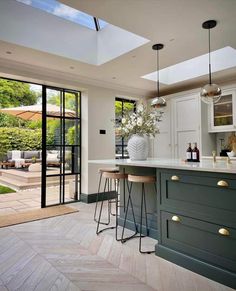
(53, 125)
(15, 93)
(126, 107)
(69, 100)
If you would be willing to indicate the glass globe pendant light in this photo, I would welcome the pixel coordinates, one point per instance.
(158, 101)
(210, 93)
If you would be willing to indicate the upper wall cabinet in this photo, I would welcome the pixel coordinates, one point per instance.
(222, 115)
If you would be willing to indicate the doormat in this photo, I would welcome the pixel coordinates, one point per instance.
(32, 215)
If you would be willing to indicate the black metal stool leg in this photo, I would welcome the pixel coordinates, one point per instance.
(129, 201)
(107, 184)
(117, 201)
(96, 206)
(143, 203)
(101, 206)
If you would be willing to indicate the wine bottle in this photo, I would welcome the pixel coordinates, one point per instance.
(189, 152)
(195, 153)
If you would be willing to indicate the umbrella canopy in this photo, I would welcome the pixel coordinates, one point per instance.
(34, 112)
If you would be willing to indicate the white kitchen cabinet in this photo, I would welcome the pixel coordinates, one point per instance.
(222, 115)
(185, 124)
(162, 147)
(185, 120)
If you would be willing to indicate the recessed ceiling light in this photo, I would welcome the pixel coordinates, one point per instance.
(133, 56)
(72, 67)
(8, 52)
(113, 78)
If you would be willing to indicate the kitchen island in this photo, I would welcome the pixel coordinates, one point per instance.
(193, 213)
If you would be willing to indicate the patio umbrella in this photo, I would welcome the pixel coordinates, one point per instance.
(34, 112)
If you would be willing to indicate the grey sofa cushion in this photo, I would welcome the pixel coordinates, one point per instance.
(31, 154)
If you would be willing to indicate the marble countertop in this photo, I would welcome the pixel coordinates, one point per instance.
(206, 165)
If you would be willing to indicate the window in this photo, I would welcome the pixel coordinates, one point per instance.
(61, 10)
(121, 106)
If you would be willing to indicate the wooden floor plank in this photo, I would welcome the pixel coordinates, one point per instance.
(64, 253)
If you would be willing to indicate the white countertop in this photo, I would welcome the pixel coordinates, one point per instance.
(220, 166)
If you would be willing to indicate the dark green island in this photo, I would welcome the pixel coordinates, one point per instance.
(192, 215)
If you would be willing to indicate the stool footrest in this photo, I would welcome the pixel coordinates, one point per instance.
(107, 228)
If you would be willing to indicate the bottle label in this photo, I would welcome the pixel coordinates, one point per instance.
(188, 156)
(194, 156)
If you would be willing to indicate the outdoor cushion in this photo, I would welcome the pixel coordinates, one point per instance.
(31, 154)
(54, 152)
(52, 157)
(16, 155)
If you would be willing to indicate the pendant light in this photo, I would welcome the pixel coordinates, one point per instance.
(210, 93)
(158, 101)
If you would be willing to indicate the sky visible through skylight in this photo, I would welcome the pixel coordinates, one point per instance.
(221, 59)
(61, 10)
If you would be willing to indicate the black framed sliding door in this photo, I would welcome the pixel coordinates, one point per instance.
(61, 151)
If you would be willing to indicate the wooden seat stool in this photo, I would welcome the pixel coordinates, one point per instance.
(143, 208)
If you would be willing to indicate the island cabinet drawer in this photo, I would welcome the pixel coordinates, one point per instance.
(212, 243)
(208, 196)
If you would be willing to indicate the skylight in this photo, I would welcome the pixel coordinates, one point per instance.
(221, 59)
(61, 10)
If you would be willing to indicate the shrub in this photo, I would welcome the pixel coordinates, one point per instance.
(14, 138)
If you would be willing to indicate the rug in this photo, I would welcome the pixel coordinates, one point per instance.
(32, 215)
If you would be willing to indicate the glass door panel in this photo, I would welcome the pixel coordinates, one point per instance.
(223, 111)
(62, 147)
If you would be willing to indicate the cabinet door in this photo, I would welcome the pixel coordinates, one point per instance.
(162, 141)
(222, 114)
(186, 124)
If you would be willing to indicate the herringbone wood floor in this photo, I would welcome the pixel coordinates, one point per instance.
(64, 253)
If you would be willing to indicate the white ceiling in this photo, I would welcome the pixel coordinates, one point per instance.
(175, 23)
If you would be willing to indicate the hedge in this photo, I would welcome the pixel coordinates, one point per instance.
(14, 138)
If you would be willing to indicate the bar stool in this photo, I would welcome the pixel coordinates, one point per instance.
(143, 180)
(116, 178)
(101, 171)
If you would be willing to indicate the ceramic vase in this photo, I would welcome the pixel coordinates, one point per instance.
(137, 148)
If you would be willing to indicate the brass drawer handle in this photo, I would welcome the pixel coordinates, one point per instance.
(175, 218)
(223, 231)
(175, 178)
(222, 183)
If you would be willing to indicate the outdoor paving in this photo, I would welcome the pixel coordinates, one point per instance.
(27, 200)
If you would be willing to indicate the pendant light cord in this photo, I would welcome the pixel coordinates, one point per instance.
(209, 55)
(158, 89)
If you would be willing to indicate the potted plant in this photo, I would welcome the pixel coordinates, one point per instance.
(137, 126)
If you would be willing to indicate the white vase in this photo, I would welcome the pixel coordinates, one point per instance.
(137, 147)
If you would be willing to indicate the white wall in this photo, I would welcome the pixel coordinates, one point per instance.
(98, 109)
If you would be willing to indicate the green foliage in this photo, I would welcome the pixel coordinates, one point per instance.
(127, 106)
(70, 136)
(69, 100)
(4, 190)
(34, 124)
(15, 93)
(20, 139)
(52, 126)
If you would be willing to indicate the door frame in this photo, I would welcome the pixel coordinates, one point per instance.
(44, 147)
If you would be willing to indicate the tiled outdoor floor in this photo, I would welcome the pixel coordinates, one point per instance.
(26, 200)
